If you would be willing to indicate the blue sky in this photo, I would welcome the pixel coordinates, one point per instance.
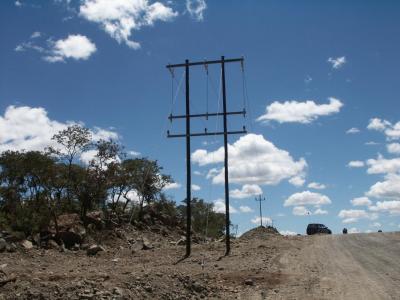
(314, 70)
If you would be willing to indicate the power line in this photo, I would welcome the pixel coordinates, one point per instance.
(187, 116)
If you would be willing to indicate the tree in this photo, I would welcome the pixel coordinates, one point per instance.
(204, 219)
(72, 141)
(146, 179)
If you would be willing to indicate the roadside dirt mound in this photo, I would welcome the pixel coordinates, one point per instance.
(259, 233)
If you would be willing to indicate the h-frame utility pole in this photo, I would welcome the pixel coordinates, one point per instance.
(259, 199)
(188, 134)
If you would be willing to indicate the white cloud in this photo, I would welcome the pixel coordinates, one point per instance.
(219, 207)
(77, 47)
(88, 156)
(353, 130)
(356, 164)
(393, 148)
(196, 8)
(298, 180)
(300, 211)
(387, 189)
(307, 198)
(392, 131)
(353, 230)
(383, 166)
(198, 173)
(392, 207)
(196, 187)
(287, 232)
(337, 62)
(172, 186)
(134, 153)
(245, 209)
(299, 112)
(316, 186)
(371, 143)
(36, 34)
(119, 18)
(18, 3)
(378, 124)
(376, 224)
(320, 211)
(247, 191)
(30, 129)
(354, 215)
(265, 220)
(361, 201)
(252, 160)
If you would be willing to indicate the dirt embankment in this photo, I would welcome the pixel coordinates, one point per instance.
(270, 266)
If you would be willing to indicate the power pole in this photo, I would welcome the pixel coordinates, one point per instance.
(259, 199)
(188, 134)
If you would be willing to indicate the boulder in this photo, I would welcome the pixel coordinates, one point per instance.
(69, 238)
(11, 248)
(95, 218)
(3, 245)
(27, 244)
(146, 245)
(94, 249)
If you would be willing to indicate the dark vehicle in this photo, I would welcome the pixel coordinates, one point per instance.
(379, 230)
(317, 228)
(344, 230)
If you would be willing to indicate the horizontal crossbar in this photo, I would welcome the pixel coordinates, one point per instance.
(205, 133)
(206, 62)
(243, 112)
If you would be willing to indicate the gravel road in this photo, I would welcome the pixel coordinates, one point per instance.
(353, 266)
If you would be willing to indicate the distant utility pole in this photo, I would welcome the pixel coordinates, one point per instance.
(188, 134)
(259, 199)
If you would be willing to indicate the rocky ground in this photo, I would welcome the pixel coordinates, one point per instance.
(146, 264)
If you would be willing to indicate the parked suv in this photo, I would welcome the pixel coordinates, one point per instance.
(317, 228)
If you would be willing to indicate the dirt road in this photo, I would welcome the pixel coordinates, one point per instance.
(353, 266)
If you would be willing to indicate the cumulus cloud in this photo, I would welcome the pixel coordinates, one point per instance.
(28, 128)
(196, 187)
(196, 8)
(252, 160)
(219, 207)
(378, 124)
(320, 211)
(376, 224)
(172, 186)
(316, 186)
(353, 230)
(245, 209)
(248, 190)
(383, 166)
(300, 211)
(36, 34)
(337, 62)
(361, 201)
(287, 232)
(299, 112)
(353, 130)
(307, 198)
(391, 131)
(393, 148)
(387, 189)
(392, 207)
(354, 215)
(119, 18)
(77, 47)
(356, 164)
(298, 180)
(265, 220)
